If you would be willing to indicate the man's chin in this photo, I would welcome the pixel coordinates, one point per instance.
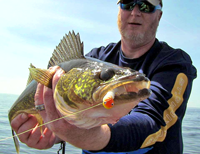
(137, 38)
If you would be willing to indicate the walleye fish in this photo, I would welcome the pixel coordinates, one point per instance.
(90, 93)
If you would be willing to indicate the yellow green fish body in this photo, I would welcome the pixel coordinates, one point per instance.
(80, 92)
(82, 87)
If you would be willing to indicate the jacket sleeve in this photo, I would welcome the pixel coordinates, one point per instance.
(149, 122)
(158, 118)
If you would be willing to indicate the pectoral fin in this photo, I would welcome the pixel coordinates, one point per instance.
(40, 121)
(42, 76)
(30, 77)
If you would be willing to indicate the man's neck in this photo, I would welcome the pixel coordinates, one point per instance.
(132, 50)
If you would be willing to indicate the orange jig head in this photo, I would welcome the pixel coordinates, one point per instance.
(108, 100)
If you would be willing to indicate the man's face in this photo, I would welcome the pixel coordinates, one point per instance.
(138, 26)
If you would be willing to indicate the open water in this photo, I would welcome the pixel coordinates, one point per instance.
(191, 132)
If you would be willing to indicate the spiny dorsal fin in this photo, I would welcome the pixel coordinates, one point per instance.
(30, 77)
(70, 47)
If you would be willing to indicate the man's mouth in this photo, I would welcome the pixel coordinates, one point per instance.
(135, 24)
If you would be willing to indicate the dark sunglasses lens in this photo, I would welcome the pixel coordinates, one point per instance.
(143, 6)
(128, 6)
(146, 7)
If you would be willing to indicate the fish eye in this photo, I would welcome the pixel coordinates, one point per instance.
(106, 74)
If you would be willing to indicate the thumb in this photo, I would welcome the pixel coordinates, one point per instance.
(57, 76)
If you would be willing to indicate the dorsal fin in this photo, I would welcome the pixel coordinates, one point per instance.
(70, 47)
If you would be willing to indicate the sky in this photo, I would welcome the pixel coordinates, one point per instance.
(31, 29)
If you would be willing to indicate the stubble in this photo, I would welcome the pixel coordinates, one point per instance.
(134, 36)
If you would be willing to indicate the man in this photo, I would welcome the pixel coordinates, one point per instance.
(154, 125)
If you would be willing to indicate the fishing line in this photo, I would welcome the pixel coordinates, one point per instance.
(50, 122)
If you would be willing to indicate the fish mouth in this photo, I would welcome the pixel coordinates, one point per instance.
(125, 88)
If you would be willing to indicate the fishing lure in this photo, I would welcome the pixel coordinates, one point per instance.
(108, 100)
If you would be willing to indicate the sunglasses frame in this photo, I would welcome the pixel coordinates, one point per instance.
(133, 4)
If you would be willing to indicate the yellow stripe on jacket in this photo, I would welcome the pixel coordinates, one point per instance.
(170, 116)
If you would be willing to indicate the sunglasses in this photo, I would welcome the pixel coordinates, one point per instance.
(144, 6)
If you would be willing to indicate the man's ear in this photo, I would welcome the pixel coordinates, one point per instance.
(160, 15)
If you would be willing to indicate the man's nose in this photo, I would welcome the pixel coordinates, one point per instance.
(136, 11)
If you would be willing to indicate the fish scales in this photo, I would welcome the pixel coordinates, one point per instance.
(81, 91)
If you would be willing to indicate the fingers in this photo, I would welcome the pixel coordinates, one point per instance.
(23, 125)
(49, 104)
(48, 139)
(27, 123)
(57, 76)
(44, 96)
(36, 140)
(48, 96)
(26, 129)
(39, 99)
(18, 121)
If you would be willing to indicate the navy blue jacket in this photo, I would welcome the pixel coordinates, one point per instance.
(154, 125)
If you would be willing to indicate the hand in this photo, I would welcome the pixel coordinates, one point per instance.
(89, 139)
(44, 95)
(32, 138)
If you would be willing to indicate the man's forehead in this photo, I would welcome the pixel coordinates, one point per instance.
(154, 2)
